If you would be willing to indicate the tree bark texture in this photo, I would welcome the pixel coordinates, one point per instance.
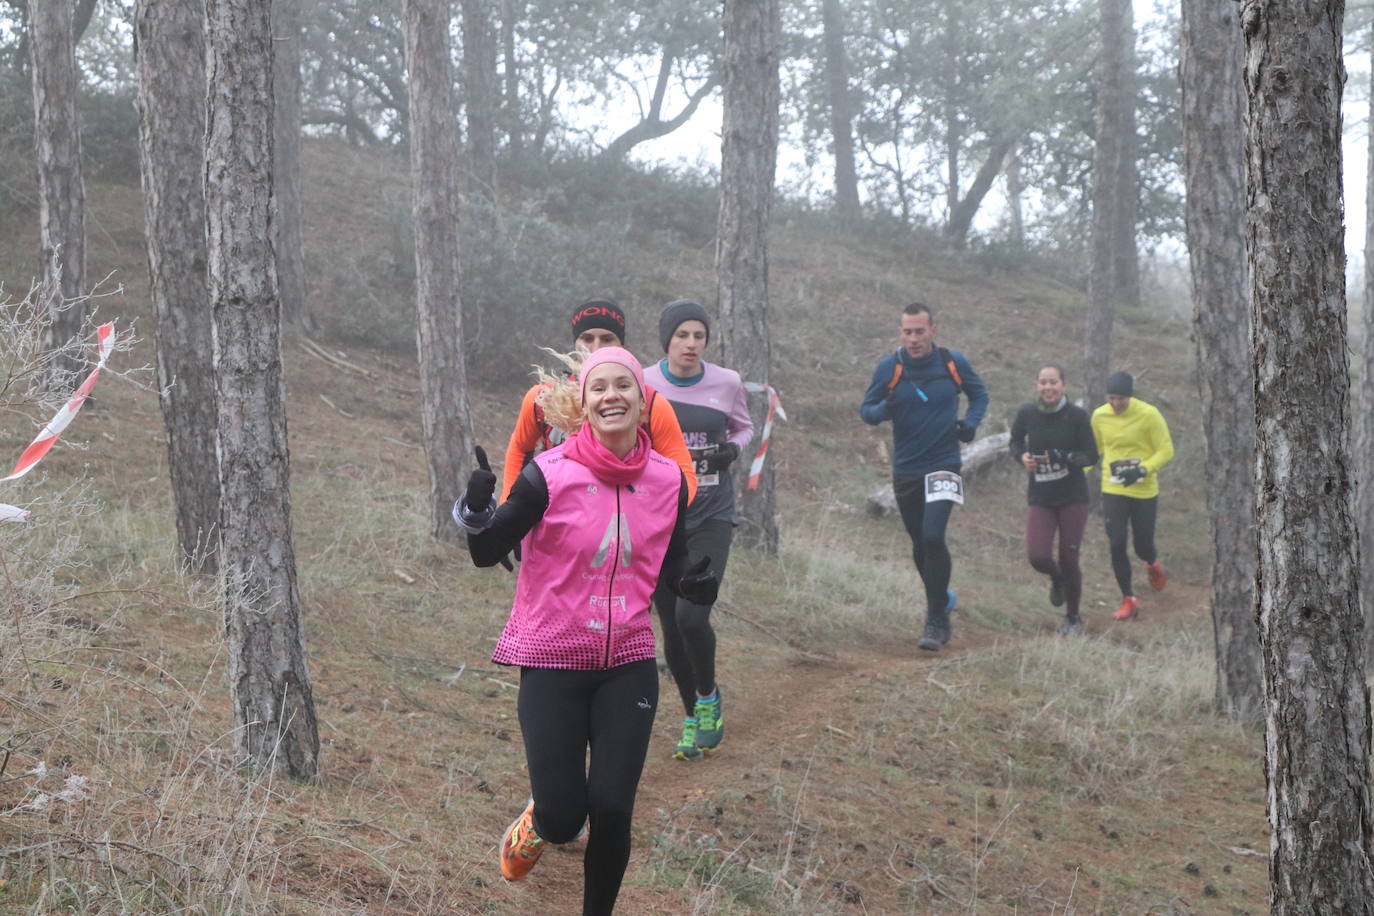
(274, 711)
(434, 188)
(170, 44)
(1365, 425)
(1317, 724)
(289, 215)
(749, 146)
(841, 111)
(61, 190)
(479, 95)
(1108, 157)
(1214, 160)
(511, 13)
(1127, 267)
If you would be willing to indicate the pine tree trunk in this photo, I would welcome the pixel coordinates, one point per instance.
(511, 13)
(288, 216)
(1365, 424)
(434, 188)
(749, 146)
(61, 190)
(1107, 184)
(1214, 156)
(171, 103)
(1016, 224)
(1317, 727)
(841, 111)
(479, 96)
(269, 681)
(1127, 249)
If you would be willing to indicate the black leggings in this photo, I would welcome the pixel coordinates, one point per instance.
(1120, 513)
(561, 714)
(689, 642)
(926, 523)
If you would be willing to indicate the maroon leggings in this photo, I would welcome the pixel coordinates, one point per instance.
(1070, 521)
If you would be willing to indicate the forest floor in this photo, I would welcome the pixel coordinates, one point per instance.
(1015, 771)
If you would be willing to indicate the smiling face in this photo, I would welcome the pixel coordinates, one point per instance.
(918, 334)
(1049, 384)
(685, 348)
(612, 401)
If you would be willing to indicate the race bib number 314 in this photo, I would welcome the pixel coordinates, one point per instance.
(944, 485)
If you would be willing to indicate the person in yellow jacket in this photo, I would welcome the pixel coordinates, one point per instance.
(1134, 443)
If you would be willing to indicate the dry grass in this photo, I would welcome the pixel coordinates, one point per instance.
(1014, 773)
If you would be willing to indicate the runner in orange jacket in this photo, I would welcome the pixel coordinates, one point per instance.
(596, 323)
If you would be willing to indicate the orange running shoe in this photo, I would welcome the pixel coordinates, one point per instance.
(521, 847)
(1130, 608)
(1158, 578)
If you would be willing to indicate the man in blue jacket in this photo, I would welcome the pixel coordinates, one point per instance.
(918, 388)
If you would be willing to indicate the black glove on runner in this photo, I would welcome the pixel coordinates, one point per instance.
(481, 484)
(964, 432)
(1131, 475)
(722, 458)
(698, 584)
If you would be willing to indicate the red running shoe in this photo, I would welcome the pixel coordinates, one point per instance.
(1129, 610)
(1158, 578)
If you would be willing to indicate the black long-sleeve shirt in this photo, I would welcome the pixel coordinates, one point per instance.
(1068, 429)
(525, 506)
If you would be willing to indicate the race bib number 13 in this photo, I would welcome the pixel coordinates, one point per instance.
(944, 485)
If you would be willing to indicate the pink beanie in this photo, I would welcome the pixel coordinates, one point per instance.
(617, 355)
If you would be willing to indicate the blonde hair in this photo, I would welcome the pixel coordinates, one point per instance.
(560, 396)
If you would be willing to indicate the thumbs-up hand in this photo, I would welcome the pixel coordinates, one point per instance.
(481, 484)
(698, 584)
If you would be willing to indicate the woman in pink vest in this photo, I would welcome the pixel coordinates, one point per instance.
(597, 518)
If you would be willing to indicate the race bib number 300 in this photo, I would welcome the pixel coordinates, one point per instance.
(944, 485)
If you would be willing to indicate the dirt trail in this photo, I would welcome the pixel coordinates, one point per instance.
(774, 714)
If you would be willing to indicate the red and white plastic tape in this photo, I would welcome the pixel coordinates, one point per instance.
(105, 341)
(774, 409)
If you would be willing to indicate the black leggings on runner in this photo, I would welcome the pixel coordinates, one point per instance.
(926, 523)
(689, 642)
(1139, 514)
(562, 713)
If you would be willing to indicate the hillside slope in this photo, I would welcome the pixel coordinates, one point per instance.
(1014, 772)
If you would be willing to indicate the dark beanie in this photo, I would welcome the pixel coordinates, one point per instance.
(1121, 384)
(602, 314)
(675, 313)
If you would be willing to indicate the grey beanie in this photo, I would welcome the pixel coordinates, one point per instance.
(675, 313)
(1121, 384)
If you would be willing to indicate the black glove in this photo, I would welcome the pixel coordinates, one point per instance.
(481, 484)
(964, 432)
(1130, 475)
(698, 584)
(722, 457)
(1075, 459)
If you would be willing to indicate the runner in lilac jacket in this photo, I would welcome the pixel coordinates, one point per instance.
(598, 517)
(711, 409)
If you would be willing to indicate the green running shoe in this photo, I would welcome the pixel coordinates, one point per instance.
(687, 745)
(710, 722)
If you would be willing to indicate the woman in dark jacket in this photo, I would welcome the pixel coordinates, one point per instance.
(1053, 441)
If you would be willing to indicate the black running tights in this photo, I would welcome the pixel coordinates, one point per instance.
(1122, 512)
(689, 642)
(562, 713)
(926, 524)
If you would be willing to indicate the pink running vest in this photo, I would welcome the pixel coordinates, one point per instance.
(589, 568)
